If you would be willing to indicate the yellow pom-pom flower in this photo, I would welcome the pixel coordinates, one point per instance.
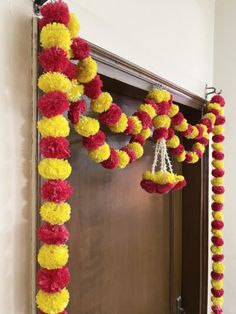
(194, 133)
(217, 301)
(195, 158)
(174, 109)
(146, 133)
(164, 177)
(102, 103)
(148, 109)
(100, 154)
(218, 215)
(218, 198)
(75, 92)
(218, 129)
(123, 159)
(183, 126)
(217, 284)
(54, 81)
(120, 125)
(87, 70)
(217, 233)
(74, 25)
(52, 256)
(173, 142)
(199, 146)
(159, 95)
(55, 214)
(181, 157)
(148, 175)
(161, 121)
(52, 303)
(215, 106)
(55, 126)
(160, 177)
(210, 116)
(55, 35)
(218, 146)
(217, 181)
(87, 126)
(219, 164)
(137, 125)
(216, 249)
(218, 267)
(53, 169)
(137, 148)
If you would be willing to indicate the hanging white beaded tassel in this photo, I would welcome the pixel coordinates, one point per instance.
(161, 155)
(163, 180)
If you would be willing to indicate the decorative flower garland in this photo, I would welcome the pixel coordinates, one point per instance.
(60, 86)
(63, 84)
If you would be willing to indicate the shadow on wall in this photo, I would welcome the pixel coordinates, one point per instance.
(16, 132)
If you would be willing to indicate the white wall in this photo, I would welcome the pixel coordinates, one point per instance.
(15, 154)
(171, 38)
(224, 77)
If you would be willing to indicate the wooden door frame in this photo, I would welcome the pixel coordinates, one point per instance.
(122, 70)
(117, 68)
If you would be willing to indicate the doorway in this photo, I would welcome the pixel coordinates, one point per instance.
(132, 252)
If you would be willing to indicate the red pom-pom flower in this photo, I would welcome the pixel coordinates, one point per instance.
(177, 119)
(71, 71)
(76, 109)
(218, 138)
(53, 59)
(149, 186)
(160, 133)
(217, 224)
(80, 49)
(53, 280)
(53, 234)
(111, 116)
(94, 141)
(54, 147)
(217, 309)
(112, 161)
(218, 99)
(217, 241)
(54, 12)
(138, 138)
(144, 118)
(163, 108)
(93, 88)
(56, 191)
(53, 104)
(130, 152)
(218, 189)
(130, 127)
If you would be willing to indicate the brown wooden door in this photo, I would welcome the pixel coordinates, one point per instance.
(131, 252)
(121, 237)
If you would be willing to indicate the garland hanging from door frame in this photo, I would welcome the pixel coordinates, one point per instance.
(63, 84)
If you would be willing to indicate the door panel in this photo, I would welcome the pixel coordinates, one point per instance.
(120, 235)
(119, 245)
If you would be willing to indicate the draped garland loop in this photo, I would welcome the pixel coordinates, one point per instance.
(63, 83)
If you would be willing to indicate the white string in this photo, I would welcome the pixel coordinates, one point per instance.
(163, 162)
(162, 155)
(156, 155)
(168, 160)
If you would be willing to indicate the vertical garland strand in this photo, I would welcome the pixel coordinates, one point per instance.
(216, 106)
(57, 28)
